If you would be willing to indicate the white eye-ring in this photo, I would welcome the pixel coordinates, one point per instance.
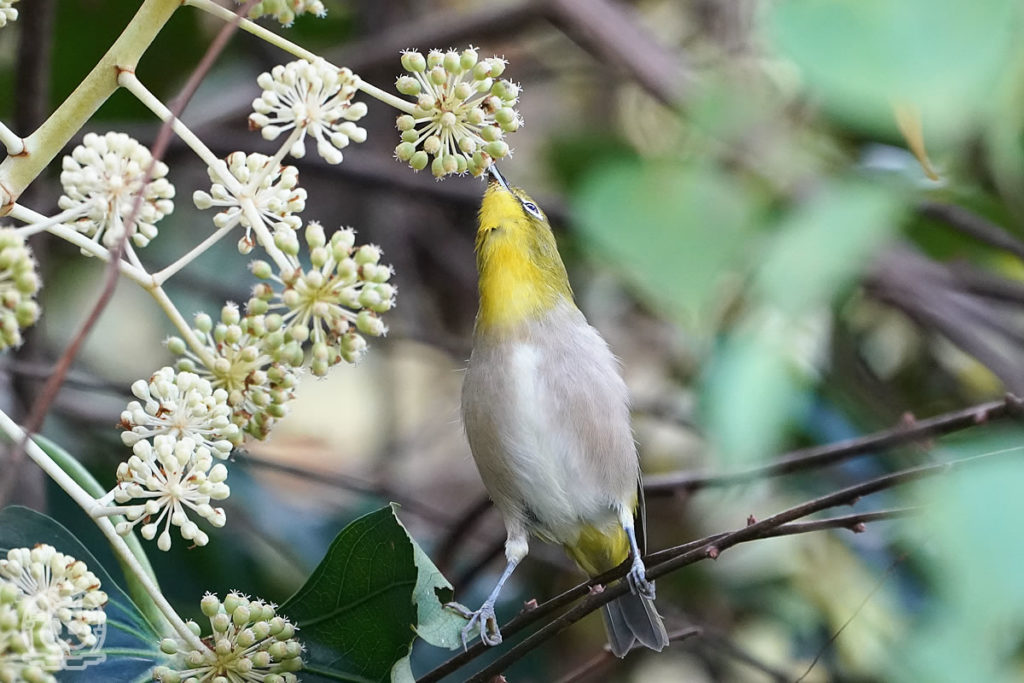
(532, 209)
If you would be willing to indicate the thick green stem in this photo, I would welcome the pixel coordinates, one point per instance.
(16, 172)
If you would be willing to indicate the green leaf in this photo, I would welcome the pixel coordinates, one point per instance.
(755, 385)
(971, 631)
(825, 243)
(128, 648)
(673, 230)
(942, 57)
(358, 610)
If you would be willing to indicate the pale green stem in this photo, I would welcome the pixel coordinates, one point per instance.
(14, 144)
(297, 50)
(386, 97)
(253, 28)
(43, 223)
(219, 168)
(165, 274)
(139, 277)
(76, 238)
(16, 172)
(121, 549)
(132, 84)
(263, 235)
(179, 322)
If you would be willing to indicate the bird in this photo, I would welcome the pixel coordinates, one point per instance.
(546, 414)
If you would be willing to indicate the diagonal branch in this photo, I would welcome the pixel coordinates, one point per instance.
(672, 559)
(909, 430)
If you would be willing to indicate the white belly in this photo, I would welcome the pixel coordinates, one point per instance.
(548, 425)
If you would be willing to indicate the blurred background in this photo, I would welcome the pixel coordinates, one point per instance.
(795, 222)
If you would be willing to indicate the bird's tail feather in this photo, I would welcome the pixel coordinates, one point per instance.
(633, 618)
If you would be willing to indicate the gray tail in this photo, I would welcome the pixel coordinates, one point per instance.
(633, 618)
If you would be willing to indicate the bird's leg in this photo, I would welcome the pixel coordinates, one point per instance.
(484, 619)
(637, 576)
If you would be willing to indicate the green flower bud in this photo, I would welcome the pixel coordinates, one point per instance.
(468, 58)
(405, 122)
(434, 58)
(405, 150)
(438, 76)
(497, 149)
(413, 61)
(407, 85)
(452, 62)
(419, 160)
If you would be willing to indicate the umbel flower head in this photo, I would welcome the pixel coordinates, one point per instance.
(248, 643)
(310, 97)
(462, 111)
(102, 178)
(174, 477)
(7, 12)
(331, 303)
(271, 188)
(18, 285)
(244, 364)
(285, 11)
(49, 604)
(179, 405)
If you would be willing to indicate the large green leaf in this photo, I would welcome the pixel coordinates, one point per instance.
(359, 611)
(971, 629)
(753, 388)
(943, 57)
(671, 229)
(128, 648)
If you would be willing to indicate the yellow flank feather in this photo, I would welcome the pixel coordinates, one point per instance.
(521, 273)
(598, 550)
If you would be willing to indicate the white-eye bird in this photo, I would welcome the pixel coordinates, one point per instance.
(546, 413)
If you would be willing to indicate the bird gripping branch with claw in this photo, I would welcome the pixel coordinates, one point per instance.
(546, 413)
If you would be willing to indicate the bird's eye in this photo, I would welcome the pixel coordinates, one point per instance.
(532, 209)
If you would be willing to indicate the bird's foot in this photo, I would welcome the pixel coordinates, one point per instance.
(483, 619)
(637, 578)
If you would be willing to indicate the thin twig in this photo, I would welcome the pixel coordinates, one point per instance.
(604, 659)
(970, 223)
(676, 558)
(349, 483)
(465, 523)
(863, 603)
(910, 430)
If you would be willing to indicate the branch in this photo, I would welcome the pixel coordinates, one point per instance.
(973, 225)
(672, 559)
(909, 430)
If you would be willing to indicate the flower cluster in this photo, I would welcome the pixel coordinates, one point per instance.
(18, 285)
(242, 358)
(285, 11)
(102, 179)
(329, 304)
(173, 476)
(313, 98)
(181, 405)
(462, 111)
(49, 604)
(7, 12)
(271, 187)
(249, 642)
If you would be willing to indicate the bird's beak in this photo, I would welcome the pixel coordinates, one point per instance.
(496, 177)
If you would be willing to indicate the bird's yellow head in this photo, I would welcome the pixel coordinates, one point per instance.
(521, 273)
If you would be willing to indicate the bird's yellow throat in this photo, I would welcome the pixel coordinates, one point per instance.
(521, 273)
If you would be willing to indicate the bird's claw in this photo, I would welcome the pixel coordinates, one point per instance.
(637, 579)
(484, 619)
